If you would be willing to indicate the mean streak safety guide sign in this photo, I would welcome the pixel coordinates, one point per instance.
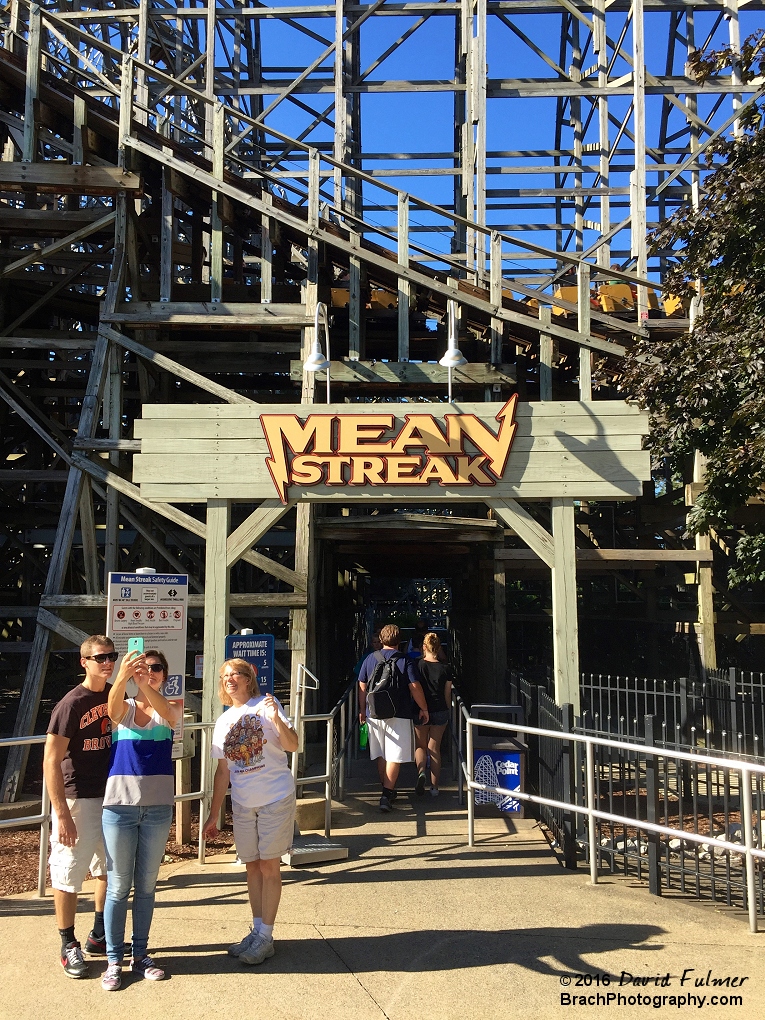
(154, 607)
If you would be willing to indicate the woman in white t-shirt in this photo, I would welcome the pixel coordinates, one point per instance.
(250, 740)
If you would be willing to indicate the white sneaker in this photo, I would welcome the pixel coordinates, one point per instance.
(434, 791)
(240, 947)
(258, 951)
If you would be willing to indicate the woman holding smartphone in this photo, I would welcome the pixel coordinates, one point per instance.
(138, 808)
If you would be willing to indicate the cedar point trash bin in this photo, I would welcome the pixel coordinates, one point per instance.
(499, 759)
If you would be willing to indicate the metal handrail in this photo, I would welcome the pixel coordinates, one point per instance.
(746, 769)
(44, 817)
(346, 733)
(203, 795)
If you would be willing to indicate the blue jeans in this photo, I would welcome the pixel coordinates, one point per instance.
(135, 839)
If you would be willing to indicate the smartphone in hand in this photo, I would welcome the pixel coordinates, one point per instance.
(135, 644)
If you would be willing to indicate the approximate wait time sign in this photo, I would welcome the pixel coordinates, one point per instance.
(154, 607)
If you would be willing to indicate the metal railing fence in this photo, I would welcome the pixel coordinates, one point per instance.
(341, 727)
(44, 817)
(599, 760)
(725, 711)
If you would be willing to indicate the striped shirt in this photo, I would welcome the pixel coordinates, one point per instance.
(141, 767)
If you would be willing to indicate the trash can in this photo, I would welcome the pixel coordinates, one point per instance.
(499, 763)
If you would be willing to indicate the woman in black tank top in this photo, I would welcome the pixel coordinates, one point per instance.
(436, 678)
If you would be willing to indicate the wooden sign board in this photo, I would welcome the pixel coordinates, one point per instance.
(402, 452)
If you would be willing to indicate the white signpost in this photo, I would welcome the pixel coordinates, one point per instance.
(154, 607)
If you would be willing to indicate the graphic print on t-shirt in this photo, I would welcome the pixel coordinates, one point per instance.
(98, 712)
(244, 742)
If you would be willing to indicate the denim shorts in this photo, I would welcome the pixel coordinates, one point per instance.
(436, 719)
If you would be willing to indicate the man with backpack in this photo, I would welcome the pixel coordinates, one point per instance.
(388, 684)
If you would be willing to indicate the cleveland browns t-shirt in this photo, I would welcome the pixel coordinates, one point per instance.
(82, 715)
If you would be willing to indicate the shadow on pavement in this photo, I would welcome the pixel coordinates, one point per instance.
(429, 950)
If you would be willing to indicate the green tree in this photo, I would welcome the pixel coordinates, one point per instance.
(706, 389)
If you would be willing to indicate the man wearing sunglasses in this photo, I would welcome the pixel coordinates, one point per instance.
(75, 765)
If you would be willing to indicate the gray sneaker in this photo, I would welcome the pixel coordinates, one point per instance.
(240, 947)
(259, 951)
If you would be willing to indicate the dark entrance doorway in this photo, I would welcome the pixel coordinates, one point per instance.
(374, 567)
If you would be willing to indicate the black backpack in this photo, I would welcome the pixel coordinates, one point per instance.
(384, 687)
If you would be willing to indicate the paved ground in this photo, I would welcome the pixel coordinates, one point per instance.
(413, 924)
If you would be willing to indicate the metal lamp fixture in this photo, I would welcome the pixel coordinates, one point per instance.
(453, 357)
(316, 362)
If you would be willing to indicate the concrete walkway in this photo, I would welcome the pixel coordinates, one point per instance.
(413, 924)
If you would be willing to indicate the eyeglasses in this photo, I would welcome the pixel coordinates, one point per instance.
(155, 667)
(237, 672)
(103, 657)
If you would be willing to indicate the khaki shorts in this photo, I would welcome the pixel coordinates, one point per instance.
(69, 865)
(391, 739)
(264, 833)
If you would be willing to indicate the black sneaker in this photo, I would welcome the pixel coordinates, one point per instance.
(385, 802)
(95, 946)
(419, 788)
(72, 961)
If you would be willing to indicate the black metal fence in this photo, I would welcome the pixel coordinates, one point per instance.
(724, 713)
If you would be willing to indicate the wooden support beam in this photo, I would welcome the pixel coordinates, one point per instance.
(393, 373)
(564, 605)
(495, 296)
(97, 469)
(216, 602)
(250, 531)
(46, 222)
(583, 308)
(59, 560)
(216, 239)
(229, 395)
(266, 256)
(29, 147)
(88, 532)
(705, 628)
(166, 238)
(20, 476)
(403, 285)
(265, 600)
(546, 351)
(112, 414)
(531, 531)
(58, 178)
(202, 315)
(123, 445)
(61, 284)
(57, 626)
(652, 557)
(79, 235)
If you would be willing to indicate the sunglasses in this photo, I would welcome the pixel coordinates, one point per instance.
(155, 667)
(103, 657)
